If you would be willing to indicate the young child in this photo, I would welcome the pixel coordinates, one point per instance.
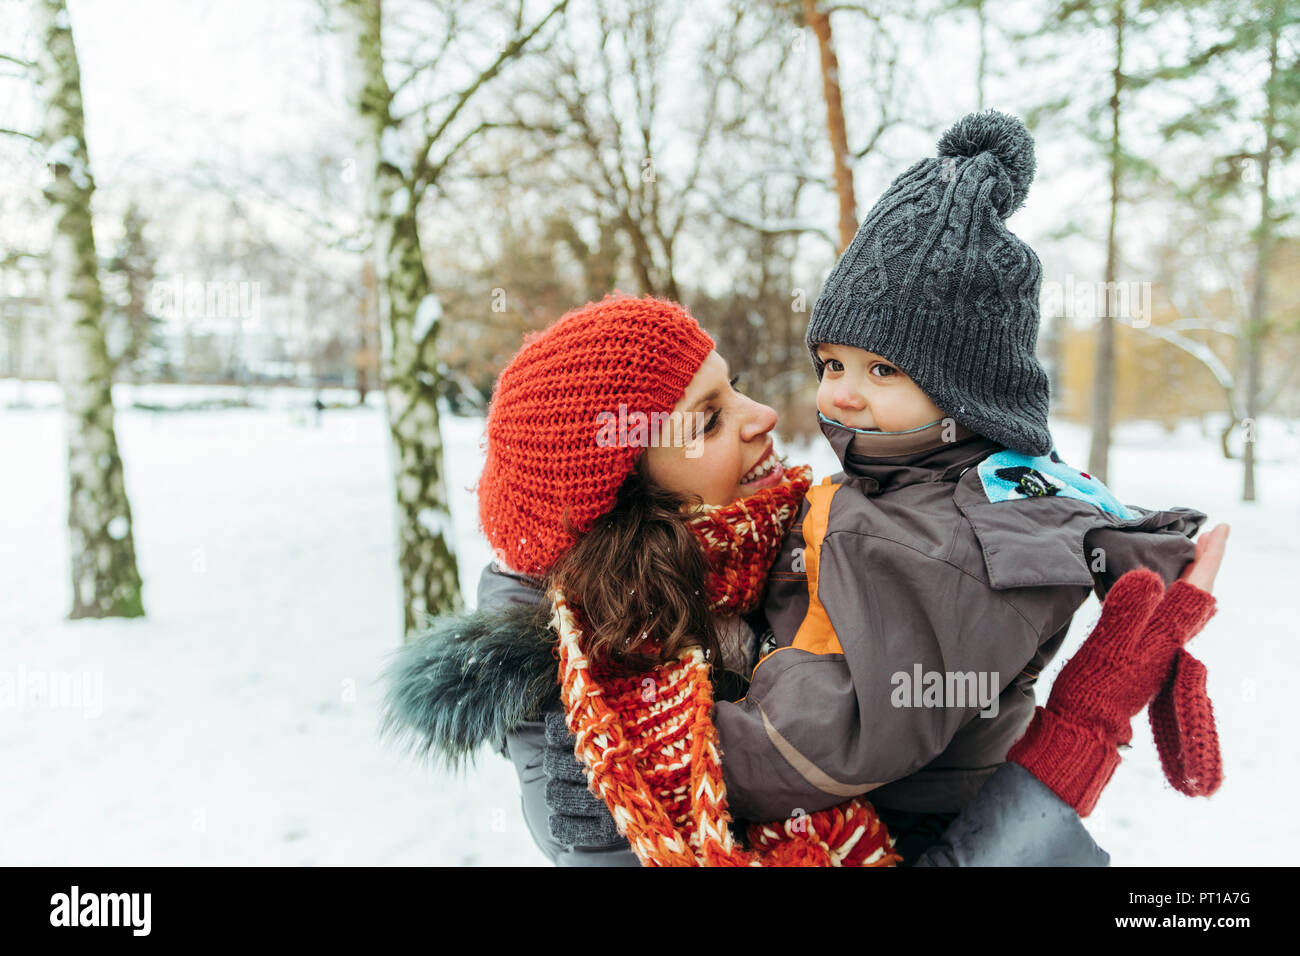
(925, 586)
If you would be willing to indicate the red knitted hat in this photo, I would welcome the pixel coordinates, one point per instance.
(542, 453)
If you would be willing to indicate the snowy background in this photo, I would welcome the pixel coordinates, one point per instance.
(238, 721)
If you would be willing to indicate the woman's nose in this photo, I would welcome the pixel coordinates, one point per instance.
(761, 420)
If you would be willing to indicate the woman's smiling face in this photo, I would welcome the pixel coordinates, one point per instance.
(727, 452)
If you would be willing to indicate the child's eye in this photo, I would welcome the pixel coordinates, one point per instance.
(734, 380)
(834, 365)
(884, 371)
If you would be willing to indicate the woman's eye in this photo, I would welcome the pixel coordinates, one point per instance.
(717, 415)
(883, 371)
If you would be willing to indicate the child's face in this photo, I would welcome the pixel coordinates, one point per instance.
(862, 390)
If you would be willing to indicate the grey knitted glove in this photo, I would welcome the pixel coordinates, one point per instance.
(578, 816)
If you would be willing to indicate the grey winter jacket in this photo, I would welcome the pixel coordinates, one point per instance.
(1014, 821)
(921, 570)
(525, 744)
(489, 677)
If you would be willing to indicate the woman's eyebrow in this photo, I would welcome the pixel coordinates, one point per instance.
(707, 398)
(711, 396)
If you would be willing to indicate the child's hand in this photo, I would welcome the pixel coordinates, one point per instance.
(1209, 555)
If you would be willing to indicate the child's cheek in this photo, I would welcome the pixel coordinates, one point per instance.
(824, 403)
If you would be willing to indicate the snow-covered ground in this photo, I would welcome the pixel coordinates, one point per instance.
(237, 723)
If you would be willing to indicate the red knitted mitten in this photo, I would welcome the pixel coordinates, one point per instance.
(1072, 744)
(1182, 721)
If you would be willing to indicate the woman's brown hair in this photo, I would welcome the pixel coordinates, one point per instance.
(638, 579)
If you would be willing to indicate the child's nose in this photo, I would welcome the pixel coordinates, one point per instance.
(848, 399)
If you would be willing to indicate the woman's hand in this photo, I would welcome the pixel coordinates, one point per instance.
(1209, 555)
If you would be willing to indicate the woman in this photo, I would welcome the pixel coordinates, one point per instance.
(666, 591)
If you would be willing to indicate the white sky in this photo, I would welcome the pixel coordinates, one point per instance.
(181, 79)
(170, 84)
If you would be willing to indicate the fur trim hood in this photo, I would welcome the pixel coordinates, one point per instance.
(468, 679)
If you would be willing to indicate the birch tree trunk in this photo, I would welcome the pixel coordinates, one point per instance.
(105, 582)
(408, 322)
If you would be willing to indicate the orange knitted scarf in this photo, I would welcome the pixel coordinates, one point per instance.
(648, 740)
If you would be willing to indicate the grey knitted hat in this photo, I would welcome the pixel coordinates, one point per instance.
(935, 283)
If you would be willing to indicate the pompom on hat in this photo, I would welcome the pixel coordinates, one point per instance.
(543, 457)
(1007, 140)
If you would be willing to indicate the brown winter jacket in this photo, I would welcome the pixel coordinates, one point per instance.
(925, 592)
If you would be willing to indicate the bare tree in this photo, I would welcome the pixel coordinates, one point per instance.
(598, 106)
(820, 23)
(816, 16)
(1203, 272)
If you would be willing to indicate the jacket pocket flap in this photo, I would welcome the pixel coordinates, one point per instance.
(1031, 542)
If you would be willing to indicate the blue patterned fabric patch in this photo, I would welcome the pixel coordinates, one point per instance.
(1009, 475)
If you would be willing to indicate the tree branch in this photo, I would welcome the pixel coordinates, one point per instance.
(1198, 350)
(1202, 325)
(13, 257)
(787, 228)
(420, 171)
(431, 64)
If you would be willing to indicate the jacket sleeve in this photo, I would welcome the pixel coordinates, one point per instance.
(1015, 820)
(822, 722)
(498, 588)
(1159, 540)
(525, 746)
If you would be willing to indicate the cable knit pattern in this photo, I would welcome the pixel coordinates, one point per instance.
(935, 283)
(545, 456)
